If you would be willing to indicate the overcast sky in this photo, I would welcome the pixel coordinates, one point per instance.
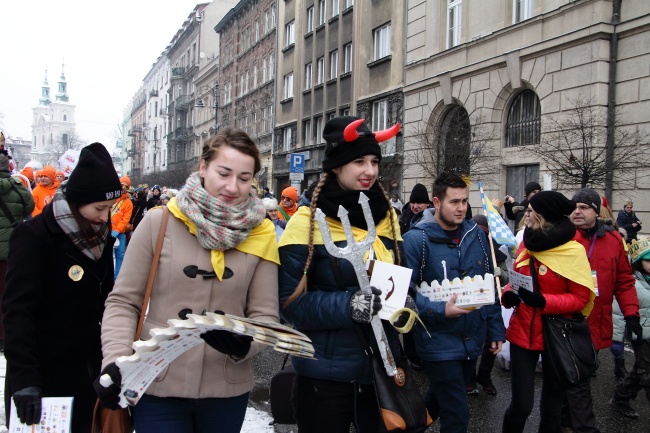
(108, 47)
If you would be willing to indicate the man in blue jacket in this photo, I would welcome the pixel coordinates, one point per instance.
(453, 335)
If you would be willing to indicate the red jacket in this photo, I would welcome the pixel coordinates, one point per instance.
(615, 278)
(563, 297)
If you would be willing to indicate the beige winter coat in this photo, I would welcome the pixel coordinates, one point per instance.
(251, 292)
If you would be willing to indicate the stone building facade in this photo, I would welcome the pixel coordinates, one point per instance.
(509, 70)
(337, 57)
(247, 75)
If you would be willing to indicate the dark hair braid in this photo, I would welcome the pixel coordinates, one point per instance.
(302, 284)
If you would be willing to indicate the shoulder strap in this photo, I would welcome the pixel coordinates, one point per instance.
(20, 196)
(152, 271)
(7, 213)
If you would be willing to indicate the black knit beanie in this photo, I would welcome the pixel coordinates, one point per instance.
(589, 197)
(94, 178)
(419, 194)
(530, 187)
(339, 152)
(552, 205)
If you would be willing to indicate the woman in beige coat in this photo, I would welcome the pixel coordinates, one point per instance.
(218, 227)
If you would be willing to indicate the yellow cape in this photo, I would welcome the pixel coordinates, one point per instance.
(568, 260)
(260, 242)
(297, 233)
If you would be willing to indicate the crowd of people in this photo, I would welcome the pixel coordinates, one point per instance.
(95, 234)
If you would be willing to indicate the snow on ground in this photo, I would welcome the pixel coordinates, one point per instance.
(255, 422)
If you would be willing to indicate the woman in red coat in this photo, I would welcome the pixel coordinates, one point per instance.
(564, 286)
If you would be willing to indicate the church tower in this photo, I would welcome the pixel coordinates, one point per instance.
(53, 123)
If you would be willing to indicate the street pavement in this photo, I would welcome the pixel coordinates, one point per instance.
(487, 411)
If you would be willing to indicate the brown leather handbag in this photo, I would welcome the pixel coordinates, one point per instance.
(120, 421)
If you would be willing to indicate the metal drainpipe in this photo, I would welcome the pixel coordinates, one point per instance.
(611, 102)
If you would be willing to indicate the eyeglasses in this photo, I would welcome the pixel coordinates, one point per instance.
(284, 197)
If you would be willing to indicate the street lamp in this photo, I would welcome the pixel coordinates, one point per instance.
(215, 106)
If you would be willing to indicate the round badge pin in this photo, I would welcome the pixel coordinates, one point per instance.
(75, 273)
(542, 270)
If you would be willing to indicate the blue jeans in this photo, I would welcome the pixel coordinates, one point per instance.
(189, 415)
(446, 397)
(119, 254)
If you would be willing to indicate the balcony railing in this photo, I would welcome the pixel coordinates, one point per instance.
(183, 102)
(153, 93)
(178, 71)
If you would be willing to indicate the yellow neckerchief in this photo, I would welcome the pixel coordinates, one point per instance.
(260, 242)
(568, 260)
(297, 232)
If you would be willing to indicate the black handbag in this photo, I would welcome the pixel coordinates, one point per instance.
(401, 407)
(568, 346)
(280, 395)
(570, 349)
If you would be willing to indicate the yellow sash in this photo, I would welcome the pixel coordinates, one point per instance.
(297, 233)
(568, 260)
(260, 242)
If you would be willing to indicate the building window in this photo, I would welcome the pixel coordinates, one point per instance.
(320, 70)
(456, 139)
(349, 3)
(288, 86)
(227, 92)
(347, 58)
(246, 80)
(321, 12)
(380, 115)
(246, 38)
(271, 67)
(263, 120)
(335, 8)
(331, 116)
(334, 64)
(241, 84)
(306, 133)
(318, 124)
(454, 12)
(524, 125)
(345, 112)
(255, 76)
(308, 76)
(269, 19)
(289, 34)
(382, 41)
(257, 30)
(286, 139)
(310, 19)
(521, 10)
(265, 77)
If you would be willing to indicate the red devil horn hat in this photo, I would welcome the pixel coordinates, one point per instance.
(350, 133)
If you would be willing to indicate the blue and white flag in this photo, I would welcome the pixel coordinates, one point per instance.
(499, 230)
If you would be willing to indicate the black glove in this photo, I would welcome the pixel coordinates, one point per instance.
(228, 343)
(633, 326)
(532, 299)
(510, 299)
(364, 306)
(109, 396)
(404, 317)
(28, 404)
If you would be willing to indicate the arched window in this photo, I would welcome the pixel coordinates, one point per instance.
(524, 125)
(455, 139)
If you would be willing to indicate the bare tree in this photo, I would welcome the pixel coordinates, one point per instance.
(573, 147)
(60, 145)
(462, 142)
